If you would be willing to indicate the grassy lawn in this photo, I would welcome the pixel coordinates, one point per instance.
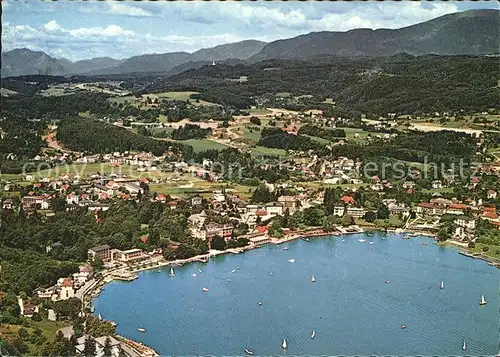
(86, 170)
(254, 135)
(204, 188)
(493, 250)
(362, 135)
(319, 140)
(49, 330)
(259, 111)
(261, 150)
(204, 144)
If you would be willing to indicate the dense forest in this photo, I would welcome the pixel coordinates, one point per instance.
(190, 131)
(399, 84)
(437, 147)
(324, 133)
(99, 137)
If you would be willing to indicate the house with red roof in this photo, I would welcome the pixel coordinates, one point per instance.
(348, 200)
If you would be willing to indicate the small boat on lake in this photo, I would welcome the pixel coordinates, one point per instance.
(483, 300)
(271, 273)
(260, 303)
(284, 344)
(442, 285)
(249, 352)
(370, 243)
(403, 327)
(99, 316)
(141, 329)
(200, 271)
(313, 334)
(172, 272)
(343, 240)
(291, 260)
(194, 275)
(205, 290)
(233, 271)
(387, 281)
(229, 280)
(286, 248)
(464, 346)
(361, 240)
(313, 279)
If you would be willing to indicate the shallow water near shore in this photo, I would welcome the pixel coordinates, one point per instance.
(351, 307)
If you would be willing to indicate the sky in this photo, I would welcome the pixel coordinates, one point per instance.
(119, 29)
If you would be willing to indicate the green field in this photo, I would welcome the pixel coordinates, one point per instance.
(317, 139)
(261, 150)
(259, 111)
(204, 188)
(180, 96)
(84, 171)
(204, 144)
(363, 135)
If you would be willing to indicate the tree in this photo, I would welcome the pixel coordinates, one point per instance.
(218, 243)
(262, 194)
(106, 350)
(89, 347)
(347, 220)
(370, 216)
(383, 212)
(313, 216)
(255, 120)
(97, 263)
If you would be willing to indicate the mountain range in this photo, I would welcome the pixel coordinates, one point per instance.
(474, 32)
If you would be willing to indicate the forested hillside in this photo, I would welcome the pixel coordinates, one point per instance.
(399, 84)
(98, 137)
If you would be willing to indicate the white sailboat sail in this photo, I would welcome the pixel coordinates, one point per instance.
(100, 317)
(442, 285)
(313, 334)
(313, 279)
(283, 344)
(172, 272)
(464, 346)
(483, 300)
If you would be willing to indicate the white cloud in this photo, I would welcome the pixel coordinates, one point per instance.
(52, 26)
(118, 8)
(110, 31)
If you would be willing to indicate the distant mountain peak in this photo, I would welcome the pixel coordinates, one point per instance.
(472, 32)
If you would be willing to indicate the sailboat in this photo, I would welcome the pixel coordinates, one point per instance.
(172, 272)
(464, 347)
(247, 350)
(483, 300)
(283, 344)
(313, 334)
(99, 316)
(141, 329)
(313, 279)
(442, 285)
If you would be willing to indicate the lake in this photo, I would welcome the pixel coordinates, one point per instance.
(352, 308)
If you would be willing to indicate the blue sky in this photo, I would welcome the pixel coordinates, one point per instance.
(78, 30)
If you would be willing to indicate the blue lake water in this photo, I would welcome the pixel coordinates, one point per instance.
(352, 309)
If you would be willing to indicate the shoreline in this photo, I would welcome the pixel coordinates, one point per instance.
(148, 351)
